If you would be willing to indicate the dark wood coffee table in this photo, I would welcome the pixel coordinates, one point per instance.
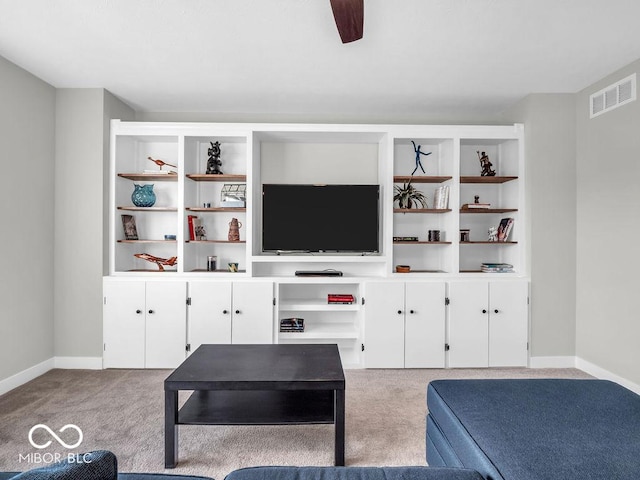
(256, 385)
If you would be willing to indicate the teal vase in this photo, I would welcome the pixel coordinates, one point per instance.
(143, 195)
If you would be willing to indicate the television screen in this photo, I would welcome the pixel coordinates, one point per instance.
(320, 218)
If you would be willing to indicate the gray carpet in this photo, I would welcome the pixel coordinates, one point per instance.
(122, 411)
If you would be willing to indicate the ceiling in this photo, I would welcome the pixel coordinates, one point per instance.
(418, 57)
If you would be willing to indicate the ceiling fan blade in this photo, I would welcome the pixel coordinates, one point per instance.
(349, 16)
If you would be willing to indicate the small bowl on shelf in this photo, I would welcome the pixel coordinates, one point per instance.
(403, 268)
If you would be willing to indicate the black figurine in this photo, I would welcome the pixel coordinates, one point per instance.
(486, 165)
(214, 162)
(418, 153)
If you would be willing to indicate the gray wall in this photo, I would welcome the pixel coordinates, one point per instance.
(26, 209)
(81, 200)
(550, 162)
(608, 228)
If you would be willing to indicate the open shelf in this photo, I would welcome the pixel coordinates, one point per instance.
(239, 407)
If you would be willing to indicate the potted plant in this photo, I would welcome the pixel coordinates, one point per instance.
(407, 196)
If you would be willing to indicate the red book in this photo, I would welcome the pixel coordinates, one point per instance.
(192, 230)
(340, 298)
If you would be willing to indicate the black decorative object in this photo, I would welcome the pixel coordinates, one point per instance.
(485, 164)
(214, 163)
(419, 152)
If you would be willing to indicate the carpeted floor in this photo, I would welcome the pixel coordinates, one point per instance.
(123, 411)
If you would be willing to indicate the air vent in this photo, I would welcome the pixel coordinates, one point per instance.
(613, 96)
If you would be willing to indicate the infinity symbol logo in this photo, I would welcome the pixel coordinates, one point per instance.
(53, 434)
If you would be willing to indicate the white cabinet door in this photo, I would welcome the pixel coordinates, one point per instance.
(384, 325)
(209, 313)
(124, 324)
(166, 324)
(508, 323)
(469, 324)
(252, 312)
(424, 325)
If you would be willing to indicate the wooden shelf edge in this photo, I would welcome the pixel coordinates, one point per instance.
(421, 210)
(422, 243)
(146, 241)
(488, 210)
(207, 177)
(420, 179)
(216, 209)
(202, 270)
(488, 243)
(479, 179)
(169, 177)
(148, 209)
(214, 241)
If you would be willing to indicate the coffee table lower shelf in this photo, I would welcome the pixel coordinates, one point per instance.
(257, 407)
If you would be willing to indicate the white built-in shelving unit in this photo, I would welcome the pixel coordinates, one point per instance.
(255, 154)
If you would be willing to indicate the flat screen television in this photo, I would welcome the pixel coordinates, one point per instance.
(320, 218)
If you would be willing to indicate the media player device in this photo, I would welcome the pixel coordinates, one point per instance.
(318, 273)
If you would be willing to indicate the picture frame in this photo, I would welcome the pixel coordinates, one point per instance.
(129, 227)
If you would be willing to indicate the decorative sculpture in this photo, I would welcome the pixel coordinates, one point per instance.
(161, 163)
(493, 234)
(214, 163)
(485, 164)
(234, 230)
(160, 262)
(419, 152)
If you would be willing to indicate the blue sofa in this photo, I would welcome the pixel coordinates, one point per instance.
(535, 428)
(103, 465)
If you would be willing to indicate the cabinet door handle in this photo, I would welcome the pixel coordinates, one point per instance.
(399, 312)
(151, 311)
(484, 311)
(225, 311)
(237, 312)
(412, 311)
(495, 311)
(138, 311)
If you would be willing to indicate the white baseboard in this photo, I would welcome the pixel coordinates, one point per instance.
(69, 363)
(603, 374)
(25, 376)
(552, 362)
(78, 363)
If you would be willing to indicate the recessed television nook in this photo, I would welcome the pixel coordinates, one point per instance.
(321, 203)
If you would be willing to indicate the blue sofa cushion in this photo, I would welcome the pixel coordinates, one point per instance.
(538, 428)
(98, 465)
(353, 473)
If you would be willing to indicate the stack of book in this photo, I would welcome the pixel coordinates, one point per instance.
(340, 298)
(497, 268)
(292, 325)
(441, 197)
(476, 206)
